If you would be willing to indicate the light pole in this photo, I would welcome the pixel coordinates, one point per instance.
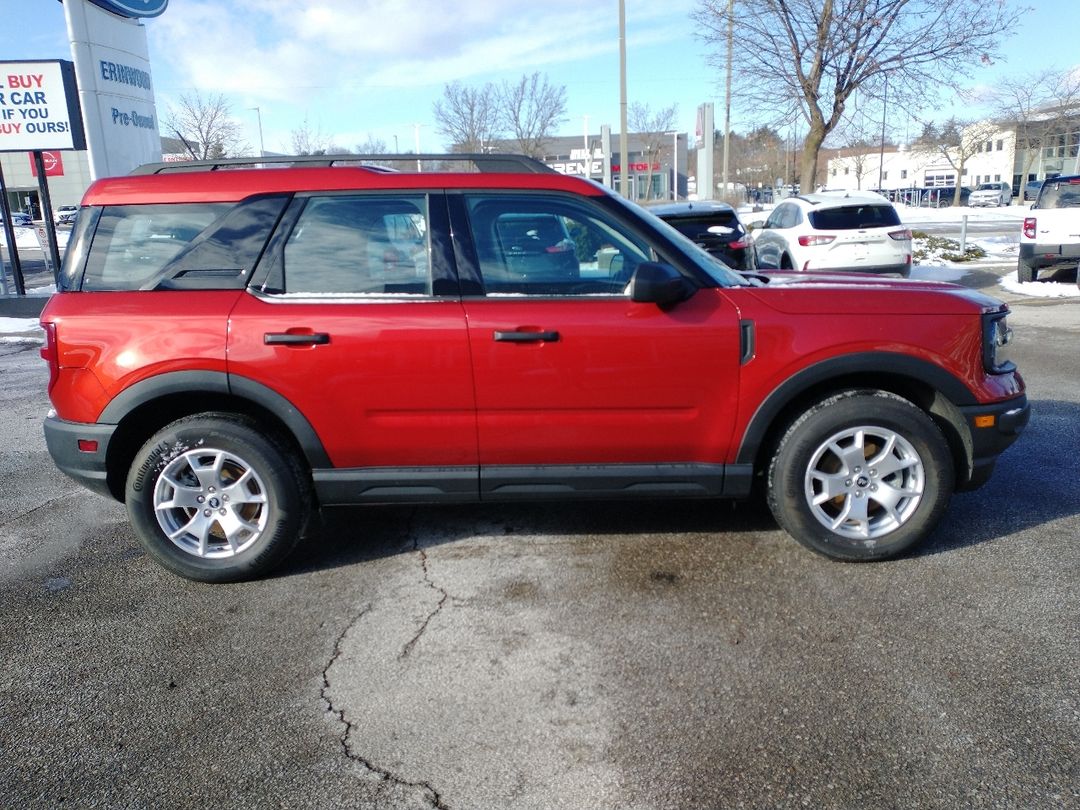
(881, 155)
(258, 116)
(674, 165)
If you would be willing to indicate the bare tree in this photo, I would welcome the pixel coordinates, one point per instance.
(858, 137)
(308, 141)
(468, 116)
(372, 146)
(206, 125)
(530, 109)
(1045, 106)
(759, 157)
(956, 141)
(802, 59)
(654, 130)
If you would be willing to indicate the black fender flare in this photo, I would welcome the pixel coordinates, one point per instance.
(223, 384)
(872, 363)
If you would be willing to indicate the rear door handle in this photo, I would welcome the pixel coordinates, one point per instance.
(526, 337)
(296, 339)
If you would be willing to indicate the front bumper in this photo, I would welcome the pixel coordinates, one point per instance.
(992, 429)
(80, 451)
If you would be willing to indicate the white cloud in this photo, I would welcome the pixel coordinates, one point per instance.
(288, 50)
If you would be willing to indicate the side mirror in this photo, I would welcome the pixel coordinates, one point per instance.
(659, 284)
(756, 225)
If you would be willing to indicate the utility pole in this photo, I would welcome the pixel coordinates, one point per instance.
(624, 158)
(258, 116)
(881, 155)
(727, 96)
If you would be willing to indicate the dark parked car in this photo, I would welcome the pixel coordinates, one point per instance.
(942, 197)
(714, 226)
(1031, 189)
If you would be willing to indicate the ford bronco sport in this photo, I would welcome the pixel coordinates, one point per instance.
(232, 349)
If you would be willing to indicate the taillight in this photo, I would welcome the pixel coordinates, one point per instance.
(1029, 227)
(738, 244)
(49, 353)
(900, 235)
(815, 239)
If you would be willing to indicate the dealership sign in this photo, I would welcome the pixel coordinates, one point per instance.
(133, 8)
(116, 86)
(39, 107)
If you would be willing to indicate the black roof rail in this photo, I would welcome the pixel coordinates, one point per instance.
(440, 162)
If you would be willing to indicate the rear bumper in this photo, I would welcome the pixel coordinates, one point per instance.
(993, 428)
(1041, 256)
(85, 465)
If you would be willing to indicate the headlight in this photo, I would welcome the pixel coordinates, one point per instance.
(997, 340)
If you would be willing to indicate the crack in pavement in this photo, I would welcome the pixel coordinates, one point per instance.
(431, 795)
(444, 596)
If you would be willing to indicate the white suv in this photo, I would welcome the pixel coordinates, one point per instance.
(994, 194)
(837, 230)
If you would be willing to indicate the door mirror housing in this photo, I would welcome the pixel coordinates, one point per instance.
(659, 284)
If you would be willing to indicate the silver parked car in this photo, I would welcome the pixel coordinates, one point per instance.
(994, 194)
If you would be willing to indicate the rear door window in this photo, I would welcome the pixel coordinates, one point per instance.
(360, 245)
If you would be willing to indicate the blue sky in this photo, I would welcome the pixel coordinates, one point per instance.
(376, 70)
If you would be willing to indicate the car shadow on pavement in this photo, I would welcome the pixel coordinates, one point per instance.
(1021, 495)
(347, 536)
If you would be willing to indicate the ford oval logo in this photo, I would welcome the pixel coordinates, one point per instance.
(133, 8)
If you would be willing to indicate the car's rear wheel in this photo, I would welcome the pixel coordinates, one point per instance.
(214, 499)
(1025, 270)
(863, 475)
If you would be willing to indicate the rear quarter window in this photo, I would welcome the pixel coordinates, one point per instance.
(133, 243)
(854, 217)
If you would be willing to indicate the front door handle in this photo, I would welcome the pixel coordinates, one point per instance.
(526, 337)
(296, 339)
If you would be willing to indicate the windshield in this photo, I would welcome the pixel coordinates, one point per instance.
(988, 187)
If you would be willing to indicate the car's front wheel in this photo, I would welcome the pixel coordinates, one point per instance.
(214, 499)
(863, 475)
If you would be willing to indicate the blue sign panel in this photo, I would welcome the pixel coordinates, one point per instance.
(133, 8)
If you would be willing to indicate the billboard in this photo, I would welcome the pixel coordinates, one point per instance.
(116, 87)
(39, 107)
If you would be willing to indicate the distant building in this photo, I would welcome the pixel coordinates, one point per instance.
(1014, 152)
(650, 170)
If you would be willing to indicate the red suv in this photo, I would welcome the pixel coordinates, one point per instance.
(233, 348)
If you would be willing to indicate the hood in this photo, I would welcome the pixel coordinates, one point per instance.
(839, 293)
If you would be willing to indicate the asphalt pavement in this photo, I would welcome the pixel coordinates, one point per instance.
(660, 654)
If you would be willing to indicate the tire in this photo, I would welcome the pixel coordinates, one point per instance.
(785, 263)
(213, 499)
(1025, 271)
(886, 464)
